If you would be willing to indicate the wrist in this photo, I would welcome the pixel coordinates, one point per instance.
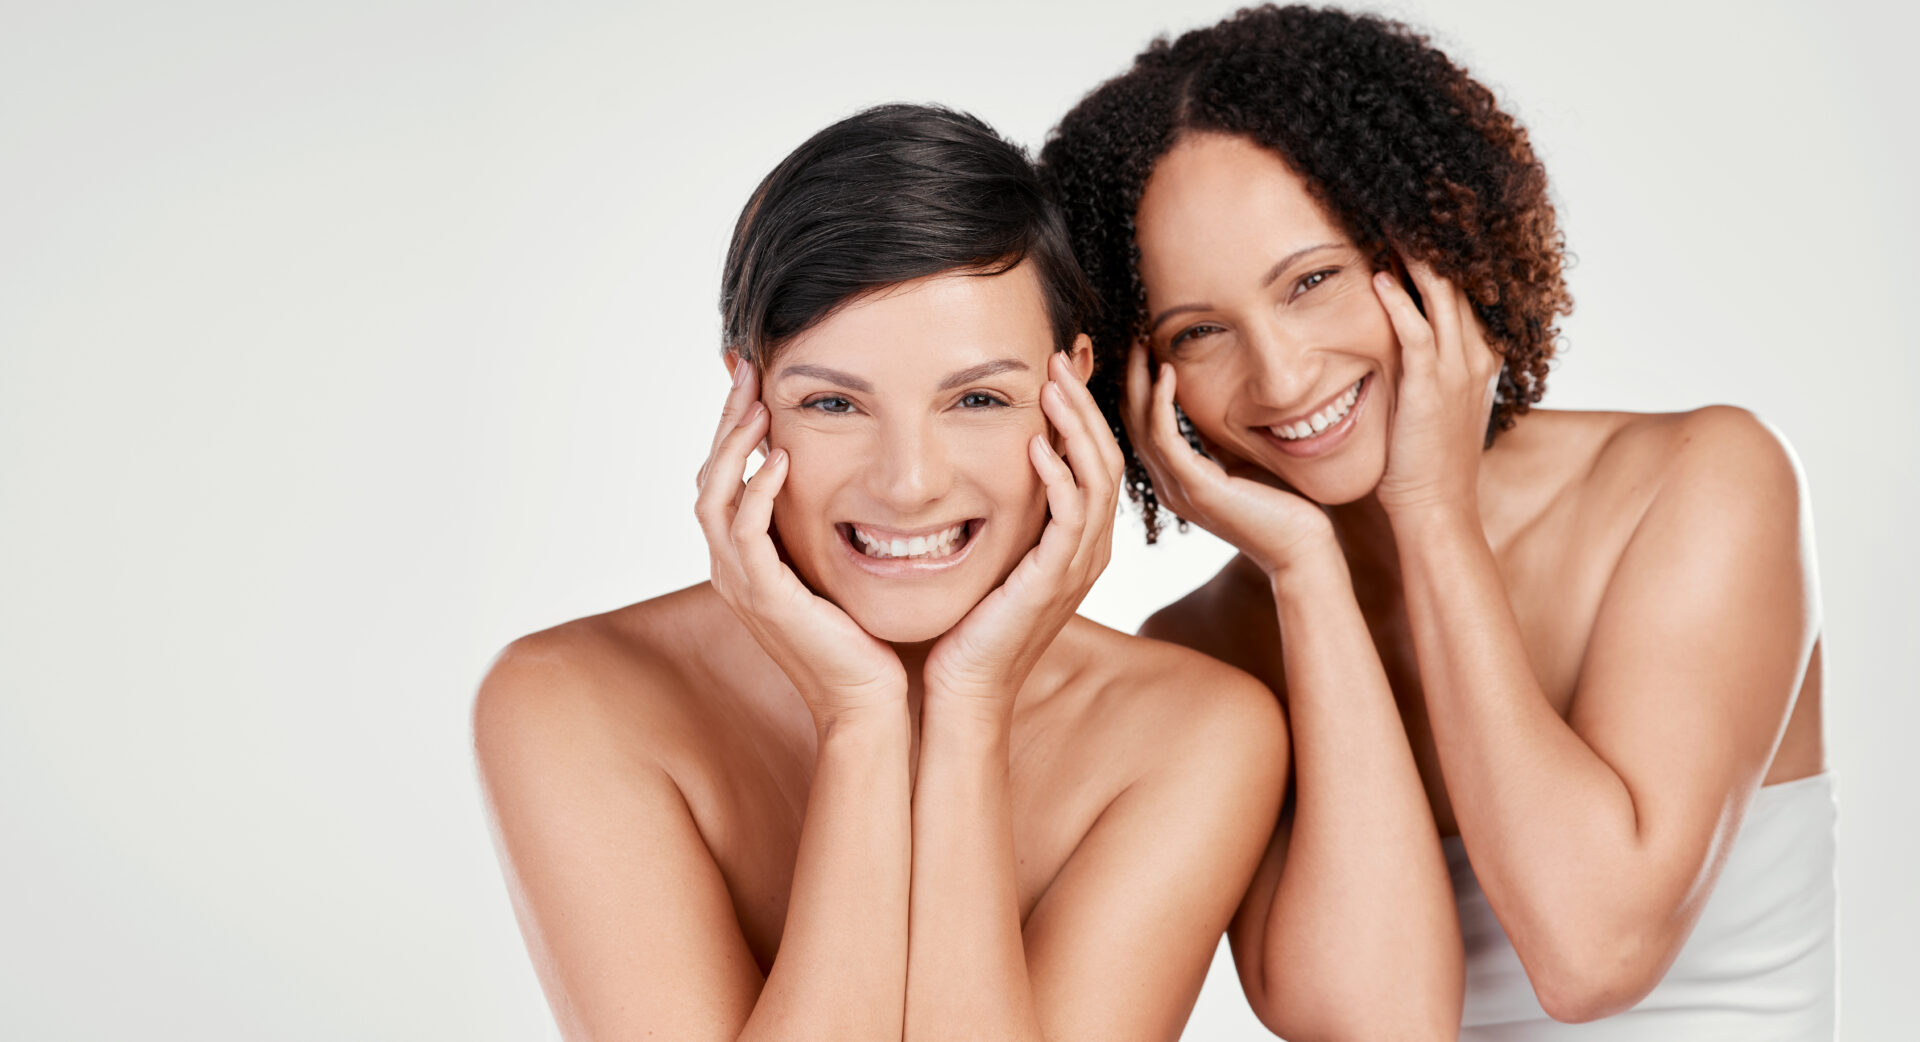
(871, 718)
(1309, 554)
(982, 713)
(1425, 514)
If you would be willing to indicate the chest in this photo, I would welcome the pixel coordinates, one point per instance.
(752, 814)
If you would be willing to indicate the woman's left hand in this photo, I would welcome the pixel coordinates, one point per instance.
(988, 654)
(1448, 374)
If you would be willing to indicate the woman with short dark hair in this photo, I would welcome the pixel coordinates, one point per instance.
(876, 779)
(1583, 647)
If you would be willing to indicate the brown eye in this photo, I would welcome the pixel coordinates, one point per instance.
(1312, 280)
(1189, 334)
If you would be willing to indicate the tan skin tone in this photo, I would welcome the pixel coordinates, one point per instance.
(883, 804)
(1581, 650)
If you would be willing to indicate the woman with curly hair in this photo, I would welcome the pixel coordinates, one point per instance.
(1553, 677)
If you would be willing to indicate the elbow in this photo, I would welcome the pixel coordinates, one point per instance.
(1387, 1015)
(1597, 980)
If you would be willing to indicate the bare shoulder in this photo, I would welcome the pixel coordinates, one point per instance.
(1180, 704)
(1721, 460)
(1217, 618)
(609, 685)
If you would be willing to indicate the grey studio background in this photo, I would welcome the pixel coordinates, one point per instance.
(340, 344)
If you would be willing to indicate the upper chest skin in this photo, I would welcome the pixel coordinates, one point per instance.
(743, 754)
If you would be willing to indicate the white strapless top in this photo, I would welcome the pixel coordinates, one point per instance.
(1758, 967)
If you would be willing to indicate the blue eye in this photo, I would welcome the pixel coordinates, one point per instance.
(830, 403)
(980, 400)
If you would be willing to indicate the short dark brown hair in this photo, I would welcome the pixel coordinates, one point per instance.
(891, 194)
(1408, 153)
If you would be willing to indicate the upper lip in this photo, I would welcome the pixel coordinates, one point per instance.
(1324, 404)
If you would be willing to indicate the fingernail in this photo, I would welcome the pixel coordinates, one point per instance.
(754, 411)
(1382, 280)
(740, 371)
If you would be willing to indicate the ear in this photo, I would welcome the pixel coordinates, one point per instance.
(1080, 357)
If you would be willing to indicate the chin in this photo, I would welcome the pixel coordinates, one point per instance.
(1339, 490)
(913, 620)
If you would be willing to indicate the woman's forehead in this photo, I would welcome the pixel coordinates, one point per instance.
(932, 326)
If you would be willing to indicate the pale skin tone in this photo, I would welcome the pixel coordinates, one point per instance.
(898, 799)
(1581, 650)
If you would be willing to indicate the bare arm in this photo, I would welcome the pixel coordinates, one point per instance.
(1598, 837)
(628, 919)
(1348, 930)
(1355, 902)
(1117, 947)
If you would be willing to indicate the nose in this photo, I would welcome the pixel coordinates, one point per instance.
(1283, 367)
(909, 469)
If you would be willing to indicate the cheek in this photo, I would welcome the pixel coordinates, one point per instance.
(812, 472)
(996, 461)
(1205, 390)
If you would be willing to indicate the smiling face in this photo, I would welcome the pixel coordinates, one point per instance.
(906, 415)
(1263, 305)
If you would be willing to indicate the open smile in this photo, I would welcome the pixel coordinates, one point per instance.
(1322, 430)
(896, 553)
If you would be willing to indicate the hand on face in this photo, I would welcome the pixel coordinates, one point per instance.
(834, 664)
(1272, 526)
(989, 653)
(1448, 374)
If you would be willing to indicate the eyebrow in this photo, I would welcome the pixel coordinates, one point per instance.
(832, 376)
(1281, 265)
(852, 382)
(982, 371)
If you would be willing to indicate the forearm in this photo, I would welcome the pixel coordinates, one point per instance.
(967, 969)
(1553, 829)
(841, 969)
(1363, 906)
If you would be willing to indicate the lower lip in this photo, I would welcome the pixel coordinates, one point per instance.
(909, 567)
(1328, 440)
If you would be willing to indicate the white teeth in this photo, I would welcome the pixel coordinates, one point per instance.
(937, 545)
(1321, 420)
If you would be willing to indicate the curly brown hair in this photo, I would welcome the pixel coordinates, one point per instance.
(1409, 154)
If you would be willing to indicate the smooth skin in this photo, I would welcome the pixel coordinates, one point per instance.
(736, 811)
(1581, 650)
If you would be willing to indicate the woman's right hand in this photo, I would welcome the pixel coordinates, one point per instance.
(1274, 527)
(835, 665)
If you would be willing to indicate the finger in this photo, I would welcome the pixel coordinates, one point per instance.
(1480, 353)
(1409, 326)
(1188, 468)
(720, 478)
(1080, 433)
(1442, 299)
(1080, 395)
(1061, 538)
(753, 519)
(1137, 418)
(744, 392)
